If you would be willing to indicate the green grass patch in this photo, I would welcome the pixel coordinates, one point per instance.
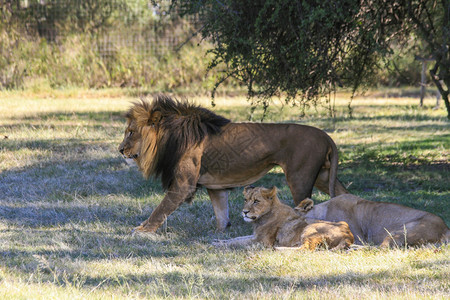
(68, 203)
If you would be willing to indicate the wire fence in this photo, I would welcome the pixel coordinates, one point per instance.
(143, 26)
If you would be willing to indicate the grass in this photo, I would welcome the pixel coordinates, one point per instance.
(68, 203)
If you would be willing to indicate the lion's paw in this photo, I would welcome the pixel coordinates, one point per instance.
(142, 229)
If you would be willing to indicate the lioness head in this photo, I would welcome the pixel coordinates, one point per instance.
(258, 202)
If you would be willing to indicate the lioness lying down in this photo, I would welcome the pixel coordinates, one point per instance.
(277, 224)
(380, 223)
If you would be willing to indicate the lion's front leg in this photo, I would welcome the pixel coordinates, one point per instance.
(168, 205)
(183, 188)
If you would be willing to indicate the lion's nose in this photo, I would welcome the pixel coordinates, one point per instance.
(121, 150)
(245, 212)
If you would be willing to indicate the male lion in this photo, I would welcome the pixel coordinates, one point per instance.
(380, 223)
(277, 224)
(189, 146)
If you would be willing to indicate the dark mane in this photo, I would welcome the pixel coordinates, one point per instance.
(183, 125)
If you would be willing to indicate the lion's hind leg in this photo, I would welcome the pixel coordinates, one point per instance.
(300, 181)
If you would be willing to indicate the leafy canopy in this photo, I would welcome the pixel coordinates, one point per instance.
(295, 47)
(308, 48)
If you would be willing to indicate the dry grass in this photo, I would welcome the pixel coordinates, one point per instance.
(68, 203)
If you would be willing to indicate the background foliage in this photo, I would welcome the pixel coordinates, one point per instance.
(96, 44)
(310, 48)
(132, 43)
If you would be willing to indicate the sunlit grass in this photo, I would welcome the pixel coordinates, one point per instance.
(68, 203)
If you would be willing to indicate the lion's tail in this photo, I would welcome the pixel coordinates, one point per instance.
(446, 237)
(333, 168)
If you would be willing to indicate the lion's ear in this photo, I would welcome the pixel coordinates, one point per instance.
(305, 206)
(141, 115)
(155, 118)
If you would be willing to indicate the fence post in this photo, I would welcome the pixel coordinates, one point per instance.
(423, 82)
(423, 77)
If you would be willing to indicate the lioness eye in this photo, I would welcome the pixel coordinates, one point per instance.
(256, 201)
(130, 133)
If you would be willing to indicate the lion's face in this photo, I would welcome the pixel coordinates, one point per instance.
(131, 144)
(258, 202)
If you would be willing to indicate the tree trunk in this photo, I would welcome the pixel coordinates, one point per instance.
(447, 104)
(444, 93)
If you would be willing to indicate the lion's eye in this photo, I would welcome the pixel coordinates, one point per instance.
(256, 201)
(130, 133)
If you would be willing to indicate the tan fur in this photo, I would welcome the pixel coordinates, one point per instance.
(277, 224)
(380, 223)
(189, 146)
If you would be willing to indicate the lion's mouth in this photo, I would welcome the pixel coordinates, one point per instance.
(134, 156)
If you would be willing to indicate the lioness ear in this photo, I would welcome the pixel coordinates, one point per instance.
(305, 206)
(247, 190)
(155, 118)
(270, 193)
(273, 192)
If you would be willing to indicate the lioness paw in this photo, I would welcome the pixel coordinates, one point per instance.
(219, 243)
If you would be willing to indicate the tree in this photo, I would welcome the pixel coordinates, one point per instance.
(431, 22)
(305, 49)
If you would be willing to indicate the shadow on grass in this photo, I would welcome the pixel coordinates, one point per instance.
(42, 120)
(53, 187)
(387, 281)
(50, 214)
(393, 117)
(193, 284)
(404, 146)
(85, 244)
(102, 116)
(58, 146)
(73, 178)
